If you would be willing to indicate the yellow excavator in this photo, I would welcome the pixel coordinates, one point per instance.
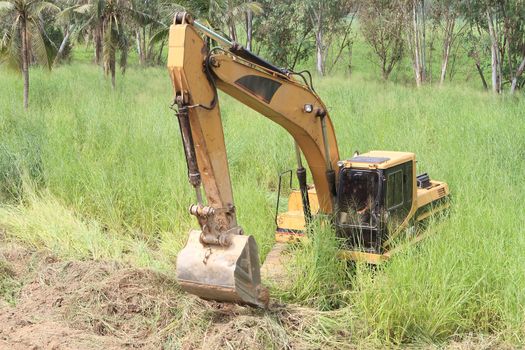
(369, 198)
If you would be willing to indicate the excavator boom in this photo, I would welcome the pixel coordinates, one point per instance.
(219, 262)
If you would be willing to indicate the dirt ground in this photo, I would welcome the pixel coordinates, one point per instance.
(50, 304)
(108, 305)
(51, 310)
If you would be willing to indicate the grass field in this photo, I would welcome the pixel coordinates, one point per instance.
(90, 173)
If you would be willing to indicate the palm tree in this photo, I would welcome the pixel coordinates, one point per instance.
(114, 36)
(230, 12)
(89, 15)
(109, 20)
(70, 22)
(25, 39)
(153, 34)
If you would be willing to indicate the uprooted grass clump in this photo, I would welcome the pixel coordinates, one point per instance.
(9, 285)
(246, 331)
(125, 306)
(134, 305)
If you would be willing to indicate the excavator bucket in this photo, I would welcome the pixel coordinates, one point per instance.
(230, 274)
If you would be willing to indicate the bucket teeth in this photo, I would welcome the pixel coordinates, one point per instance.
(230, 274)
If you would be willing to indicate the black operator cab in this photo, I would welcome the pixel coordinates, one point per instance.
(374, 197)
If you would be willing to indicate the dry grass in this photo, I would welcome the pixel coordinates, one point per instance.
(140, 308)
(9, 285)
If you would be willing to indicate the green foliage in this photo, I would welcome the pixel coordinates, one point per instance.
(95, 174)
(284, 33)
(382, 25)
(228, 13)
(54, 36)
(109, 22)
(19, 14)
(508, 20)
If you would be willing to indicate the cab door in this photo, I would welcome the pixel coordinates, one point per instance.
(398, 194)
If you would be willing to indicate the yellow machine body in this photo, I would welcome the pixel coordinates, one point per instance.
(426, 201)
(219, 261)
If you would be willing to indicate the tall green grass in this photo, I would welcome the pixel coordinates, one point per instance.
(318, 277)
(111, 164)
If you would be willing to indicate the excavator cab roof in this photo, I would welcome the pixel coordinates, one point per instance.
(378, 160)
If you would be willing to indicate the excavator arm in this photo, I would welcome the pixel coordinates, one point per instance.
(219, 262)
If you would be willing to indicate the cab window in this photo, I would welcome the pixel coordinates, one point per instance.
(357, 188)
(394, 189)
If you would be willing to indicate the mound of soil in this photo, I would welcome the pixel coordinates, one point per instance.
(109, 305)
(83, 304)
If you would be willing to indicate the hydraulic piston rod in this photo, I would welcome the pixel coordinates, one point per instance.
(301, 177)
(330, 173)
(211, 34)
(237, 49)
(194, 175)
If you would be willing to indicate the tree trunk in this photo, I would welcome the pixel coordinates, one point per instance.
(431, 52)
(297, 51)
(482, 76)
(62, 47)
(25, 61)
(350, 56)
(144, 54)
(447, 43)
(423, 43)
(233, 30)
(417, 45)
(159, 57)
(249, 29)
(140, 52)
(98, 44)
(112, 63)
(346, 42)
(385, 71)
(519, 72)
(494, 50)
(319, 52)
(507, 44)
(148, 46)
(319, 44)
(112, 70)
